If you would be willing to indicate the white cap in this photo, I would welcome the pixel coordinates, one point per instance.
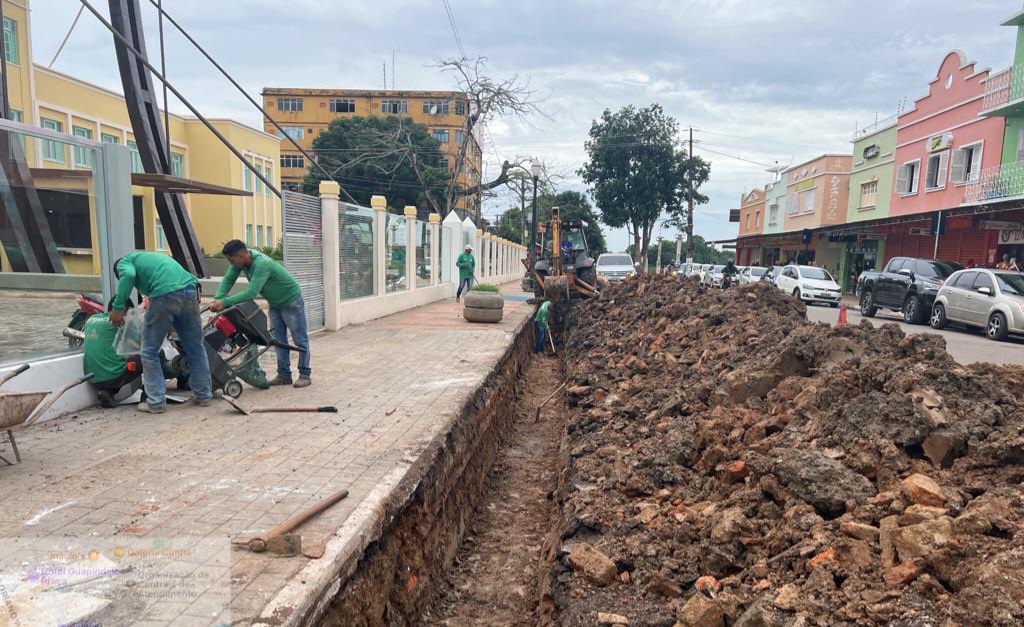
(469, 247)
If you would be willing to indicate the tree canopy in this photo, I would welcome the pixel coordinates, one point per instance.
(702, 253)
(572, 206)
(635, 172)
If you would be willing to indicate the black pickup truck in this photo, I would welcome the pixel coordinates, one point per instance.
(906, 284)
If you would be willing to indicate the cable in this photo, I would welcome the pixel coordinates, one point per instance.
(455, 30)
(67, 36)
(769, 141)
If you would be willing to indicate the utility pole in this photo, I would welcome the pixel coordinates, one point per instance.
(689, 205)
(679, 247)
(522, 205)
(657, 263)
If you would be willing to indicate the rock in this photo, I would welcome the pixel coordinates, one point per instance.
(860, 531)
(700, 611)
(593, 564)
(647, 514)
(827, 557)
(824, 483)
(886, 537)
(987, 512)
(805, 397)
(922, 490)
(607, 618)
(729, 525)
(759, 615)
(943, 446)
(916, 514)
(786, 597)
(578, 390)
(737, 471)
(707, 583)
(664, 586)
(901, 574)
(922, 539)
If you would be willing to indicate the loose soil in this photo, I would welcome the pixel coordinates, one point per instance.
(495, 577)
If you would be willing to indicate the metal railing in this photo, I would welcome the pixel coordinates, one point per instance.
(1003, 88)
(998, 183)
(877, 125)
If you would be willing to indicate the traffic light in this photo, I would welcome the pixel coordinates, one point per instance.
(939, 223)
(807, 236)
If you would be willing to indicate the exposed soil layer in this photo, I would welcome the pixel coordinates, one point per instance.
(729, 463)
(494, 580)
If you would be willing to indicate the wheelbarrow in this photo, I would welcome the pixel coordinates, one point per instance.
(20, 409)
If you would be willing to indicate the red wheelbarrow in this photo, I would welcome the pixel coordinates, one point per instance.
(20, 409)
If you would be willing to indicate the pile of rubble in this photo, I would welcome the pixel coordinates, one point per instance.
(728, 463)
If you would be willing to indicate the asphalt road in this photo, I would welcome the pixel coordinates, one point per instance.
(966, 346)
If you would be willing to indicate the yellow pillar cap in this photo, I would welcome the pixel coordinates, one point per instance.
(410, 211)
(434, 218)
(330, 189)
(379, 203)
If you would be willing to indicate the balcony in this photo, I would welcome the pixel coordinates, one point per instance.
(878, 125)
(1004, 92)
(995, 184)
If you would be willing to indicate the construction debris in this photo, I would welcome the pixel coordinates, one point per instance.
(728, 463)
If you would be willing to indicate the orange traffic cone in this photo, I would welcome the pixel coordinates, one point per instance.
(842, 316)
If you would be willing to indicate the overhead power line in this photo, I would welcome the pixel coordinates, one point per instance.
(455, 29)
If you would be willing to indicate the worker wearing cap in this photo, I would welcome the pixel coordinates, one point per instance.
(466, 263)
(173, 304)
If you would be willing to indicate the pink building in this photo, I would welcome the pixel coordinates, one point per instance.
(942, 144)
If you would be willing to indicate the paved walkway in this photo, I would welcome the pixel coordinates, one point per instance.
(128, 518)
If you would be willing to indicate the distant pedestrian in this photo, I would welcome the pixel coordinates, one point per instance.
(970, 263)
(540, 325)
(269, 279)
(1005, 263)
(466, 263)
(1013, 265)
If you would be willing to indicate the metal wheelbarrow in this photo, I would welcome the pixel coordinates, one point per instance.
(20, 409)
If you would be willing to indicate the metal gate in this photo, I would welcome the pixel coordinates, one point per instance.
(303, 251)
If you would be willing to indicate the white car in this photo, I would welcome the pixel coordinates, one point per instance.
(750, 274)
(810, 284)
(713, 277)
(615, 266)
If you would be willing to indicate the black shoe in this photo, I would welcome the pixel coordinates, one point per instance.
(281, 380)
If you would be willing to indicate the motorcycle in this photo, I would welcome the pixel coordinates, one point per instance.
(727, 281)
(87, 307)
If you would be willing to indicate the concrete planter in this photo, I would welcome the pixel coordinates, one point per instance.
(483, 306)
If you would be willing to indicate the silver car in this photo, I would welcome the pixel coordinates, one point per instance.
(713, 276)
(615, 266)
(750, 274)
(977, 297)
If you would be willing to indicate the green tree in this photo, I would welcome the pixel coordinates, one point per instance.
(365, 156)
(635, 172)
(702, 253)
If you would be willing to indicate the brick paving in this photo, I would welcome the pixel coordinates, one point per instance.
(195, 479)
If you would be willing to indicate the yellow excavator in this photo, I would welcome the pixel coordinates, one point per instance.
(564, 271)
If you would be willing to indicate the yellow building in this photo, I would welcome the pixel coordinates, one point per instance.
(49, 99)
(305, 113)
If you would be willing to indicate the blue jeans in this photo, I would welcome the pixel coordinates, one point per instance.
(542, 335)
(291, 318)
(463, 283)
(179, 311)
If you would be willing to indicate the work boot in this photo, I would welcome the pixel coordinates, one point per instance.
(303, 382)
(149, 409)
(200, 402)
(281, 380)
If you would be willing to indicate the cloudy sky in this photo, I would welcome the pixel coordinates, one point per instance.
(762, 82)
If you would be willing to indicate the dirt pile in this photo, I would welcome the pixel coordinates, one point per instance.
(728, 463)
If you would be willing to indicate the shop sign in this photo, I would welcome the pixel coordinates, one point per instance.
(803, 185)
(940, 142)
(833, 198)
(1011, 236)
(1000, 225)
(873, 236)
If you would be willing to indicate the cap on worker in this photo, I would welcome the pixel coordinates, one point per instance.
(469, 247)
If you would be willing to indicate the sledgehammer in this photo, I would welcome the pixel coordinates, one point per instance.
(274, 410)
(280, 540)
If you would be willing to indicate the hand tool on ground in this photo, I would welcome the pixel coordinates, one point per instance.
(21, 409)
(541, 406)
(280, 540)
(553, 351)
(327, 409)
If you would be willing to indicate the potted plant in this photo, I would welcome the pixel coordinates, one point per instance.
(483, 303)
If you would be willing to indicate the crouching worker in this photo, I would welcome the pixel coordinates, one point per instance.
(173, 304)
(540, 324)
(111, 371)
(287, 309)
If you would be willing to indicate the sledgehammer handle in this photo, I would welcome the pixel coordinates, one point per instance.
(259, 543)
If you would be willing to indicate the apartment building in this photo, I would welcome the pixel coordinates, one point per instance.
(306, 113)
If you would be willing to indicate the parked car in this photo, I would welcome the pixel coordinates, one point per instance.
(906, 284)
(750, 274)
(615, 266)
(809, 284)
(713, 276)
(990, 299)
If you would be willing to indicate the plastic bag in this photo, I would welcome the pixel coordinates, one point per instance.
(128, 341)
(250, 372)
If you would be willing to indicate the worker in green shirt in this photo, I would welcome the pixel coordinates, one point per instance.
(110, 371)
(466, 263)
(287, 309)
(173, 304)
(540, 325)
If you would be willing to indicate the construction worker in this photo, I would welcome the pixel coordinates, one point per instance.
(540, 325)
(466, 263)
(269, 279)
(173, 303)
(110, 370)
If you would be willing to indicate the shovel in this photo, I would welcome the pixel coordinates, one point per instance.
(330, 409)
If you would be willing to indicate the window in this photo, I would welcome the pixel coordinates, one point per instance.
(757, 219)
(460, 136)
(248, 235)
(83, 155)
(292, 105)
(259, 235)
(293, 161)
(16, 116)
(440, 134)
(177, 164)
(161, 237)
(342, 105)
(435, 107)
(773, 213)
(11, 40)
(442, 162)
(290, 186)
(791, 204)
(266, 173)
(807, 201)
(295, 132)
(133, 149)
(460, 107)
(52, 150)
(906, 178)
(107, 138)
(270, 236)
(394, 106)
(868, 194)
(935, 177)
(748, 221)
(965, 280)
(984, 280)
(246, 178)
(966, 164)
(935, 269)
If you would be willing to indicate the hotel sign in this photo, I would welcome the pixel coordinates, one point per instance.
(1000, 225)
(1011, 236)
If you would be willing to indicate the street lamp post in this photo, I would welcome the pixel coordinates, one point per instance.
(536, 169)
(679, 248)
(657, 264)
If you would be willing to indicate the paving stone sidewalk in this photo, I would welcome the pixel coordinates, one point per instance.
(110, 504)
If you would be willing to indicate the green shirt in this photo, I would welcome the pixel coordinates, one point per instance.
(153, 274)
(100, 357)
(543, 313)
(466, 264)
(266, 277)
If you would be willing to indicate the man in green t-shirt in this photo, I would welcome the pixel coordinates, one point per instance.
(466, 263)
(287, 309)
(540, 325)
(111, 371)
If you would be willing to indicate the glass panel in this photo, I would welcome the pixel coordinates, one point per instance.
(49, 244)
(355, 241)
(11, 40)
(177, 164)
(394, 253)
(133, 148)
(422, 254)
